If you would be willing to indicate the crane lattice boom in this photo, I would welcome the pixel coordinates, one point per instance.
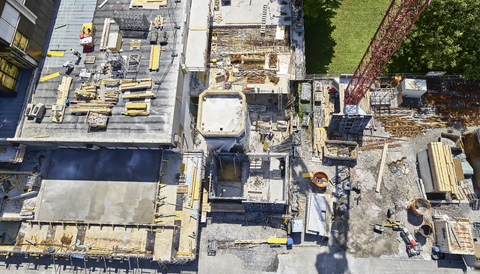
(399, 18)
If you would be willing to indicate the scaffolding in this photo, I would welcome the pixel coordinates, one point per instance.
(131, 21)
(117, 62)
(383, 96)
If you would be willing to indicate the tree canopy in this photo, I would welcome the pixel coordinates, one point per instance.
(315, 8)
(445, 37)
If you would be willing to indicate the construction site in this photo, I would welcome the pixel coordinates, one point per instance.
(185, 137)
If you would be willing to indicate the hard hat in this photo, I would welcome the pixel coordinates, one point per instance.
(70, 61)
(70, 48)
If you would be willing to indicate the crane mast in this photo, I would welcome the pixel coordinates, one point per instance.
(399, 18)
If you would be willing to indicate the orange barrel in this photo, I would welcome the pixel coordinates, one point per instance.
(320, 179)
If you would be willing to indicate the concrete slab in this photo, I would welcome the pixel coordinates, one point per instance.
(92, 201)
(222, 114)
(197, 35)
(104, 165)
(250, 12)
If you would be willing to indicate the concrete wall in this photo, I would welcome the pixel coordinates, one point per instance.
(73, 144)
(186, 115)
(472, 147)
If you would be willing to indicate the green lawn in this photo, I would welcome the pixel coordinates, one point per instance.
(352, 28)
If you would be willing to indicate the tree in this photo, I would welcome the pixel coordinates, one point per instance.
(316, 8)
(444, 38)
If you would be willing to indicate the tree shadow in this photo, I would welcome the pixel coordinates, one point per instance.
(319, 43)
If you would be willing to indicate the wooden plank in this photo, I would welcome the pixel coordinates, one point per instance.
(55, 53)
(432, 152)
(457, 163)
(62, 95)
(50, 76)
(105, 32)
(138, 96)
(196, 190)
(139, 3)
(136, 105)
(442, 166)
(452, 178)
(154, 58)
(382, 166)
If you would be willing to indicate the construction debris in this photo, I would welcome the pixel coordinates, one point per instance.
(96, 120)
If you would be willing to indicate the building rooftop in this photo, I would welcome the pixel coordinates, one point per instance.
(231, 13)
(221, 113)
(163, 111)
(198, 35)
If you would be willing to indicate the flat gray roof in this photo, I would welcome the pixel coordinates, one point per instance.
(164, 111)
(95, 201)
(197, 41)
(221, 113)
(250, 13)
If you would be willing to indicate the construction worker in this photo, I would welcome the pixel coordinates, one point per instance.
(104, 67)
(76, 53)
(69, 65)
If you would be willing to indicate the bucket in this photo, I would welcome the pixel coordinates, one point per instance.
(320, 179)
(420, 207)
(426, 230)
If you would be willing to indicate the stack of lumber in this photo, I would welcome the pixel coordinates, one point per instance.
(254, 58)
(111, 82)
(111, 96)
(158, 22)
(105, 33)
(272, 61)
(401, 125)
(135, 112)
(256, 79)
(94, 106)
(139, 96)
(131, 105)
(62, 95)
(442, 168)
(378, 146)
(88, 91)
(130, 84)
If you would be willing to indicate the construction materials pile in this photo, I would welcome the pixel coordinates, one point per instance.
(88, 91)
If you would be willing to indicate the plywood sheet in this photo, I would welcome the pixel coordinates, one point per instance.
(140, 3)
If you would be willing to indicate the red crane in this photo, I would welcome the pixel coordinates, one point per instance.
(399, 18)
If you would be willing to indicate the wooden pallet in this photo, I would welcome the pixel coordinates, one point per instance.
(89, 60)
(135, 44)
